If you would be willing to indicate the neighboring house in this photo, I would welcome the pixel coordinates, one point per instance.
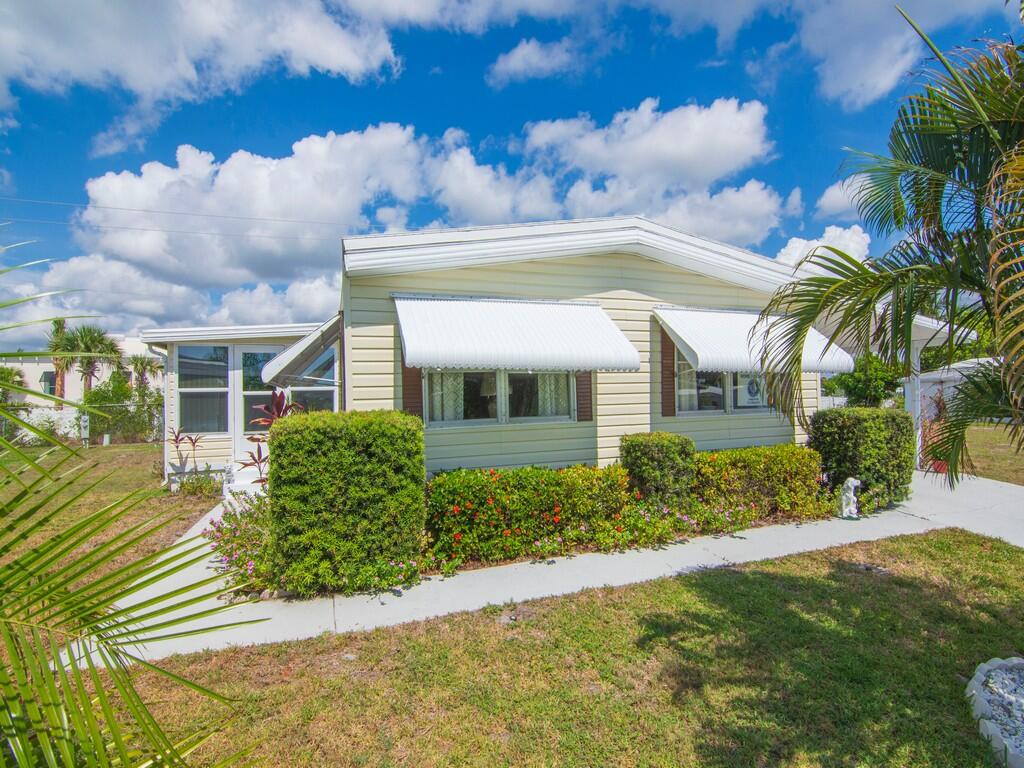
(518, 344)
(40, 375)
(944, 380)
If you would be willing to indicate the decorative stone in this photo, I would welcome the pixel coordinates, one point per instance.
(849, 499)
(996, 694)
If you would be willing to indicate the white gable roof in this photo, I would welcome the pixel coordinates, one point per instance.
(387, 254)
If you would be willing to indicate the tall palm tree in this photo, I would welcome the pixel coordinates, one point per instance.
(143, 367)
(939, 186)
(93, 346)
(60, 346)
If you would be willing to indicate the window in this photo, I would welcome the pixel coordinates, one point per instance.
(698, 390)
(203, 388)
(463, 395)
(457, 396)
(315, 388)
(538, 395)
(48, 382)
(254, 391)
(748, 391)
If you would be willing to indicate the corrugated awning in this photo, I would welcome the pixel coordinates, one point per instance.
(719, 340)
(292, 360)
(510, 334)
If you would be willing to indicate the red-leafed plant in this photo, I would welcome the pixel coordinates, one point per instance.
(178, 439)
(257, 459)
(278, 408)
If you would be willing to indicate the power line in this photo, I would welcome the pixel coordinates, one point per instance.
(174, 231)
(65, 204)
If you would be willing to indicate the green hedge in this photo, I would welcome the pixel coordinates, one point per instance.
(346, 500)
(660, 465)
(768, 483)
(874, 445)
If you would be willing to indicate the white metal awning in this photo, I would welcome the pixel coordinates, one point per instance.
(719, 340)
(293, 359)
(510, 334)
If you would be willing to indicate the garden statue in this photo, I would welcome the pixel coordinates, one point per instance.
(849, 499)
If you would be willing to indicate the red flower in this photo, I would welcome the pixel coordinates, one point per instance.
(638, 494)
(556, 518)
(490, 501)
(455, 509)
(458, 536)
(507, 532)
(618, 516)
(469, 505)
(558, 508)
(618, 528)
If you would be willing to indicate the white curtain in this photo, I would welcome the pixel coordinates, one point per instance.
(553, 394)
(446, 396)
(686, 386)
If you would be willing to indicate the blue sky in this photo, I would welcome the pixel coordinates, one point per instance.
(725, 120)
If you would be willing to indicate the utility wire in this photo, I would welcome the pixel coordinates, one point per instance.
(174, 231)
(65, 204)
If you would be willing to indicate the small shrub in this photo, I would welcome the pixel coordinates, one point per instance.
(346, 500)
(240, 540)
(660, 465)
(198, 483)
(768, 482)
(875, 445)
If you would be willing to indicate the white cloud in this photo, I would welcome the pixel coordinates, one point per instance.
(851, 240)
(266, 247)
(687, 147)
(165, 54)
(532, 59)
(836, 202)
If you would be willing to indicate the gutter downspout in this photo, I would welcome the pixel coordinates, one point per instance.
(912, 398)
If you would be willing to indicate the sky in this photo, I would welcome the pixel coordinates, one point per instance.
(195, 163)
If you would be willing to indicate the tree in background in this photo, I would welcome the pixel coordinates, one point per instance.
(59, 344)
(870, 383)
(9, 375)
(92, 346)
(143, 367)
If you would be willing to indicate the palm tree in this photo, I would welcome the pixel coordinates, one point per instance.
(60, 346)
(9, 375)
(143, 367)
(72, 614)
(949, 176)
(92, 346)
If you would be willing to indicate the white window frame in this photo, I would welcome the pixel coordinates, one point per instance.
(226, 390)
(502, 393)
(336, 375)
(728, 400)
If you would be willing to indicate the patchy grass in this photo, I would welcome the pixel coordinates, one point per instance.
(810, 660)
(125, 468)
(993, 455)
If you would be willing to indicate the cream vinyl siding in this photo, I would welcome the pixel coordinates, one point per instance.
(627, 287)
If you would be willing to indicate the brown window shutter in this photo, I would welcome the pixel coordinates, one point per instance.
(584, 396)
(412, 391)
(668, 375)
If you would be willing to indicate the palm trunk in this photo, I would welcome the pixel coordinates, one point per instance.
(58, 387)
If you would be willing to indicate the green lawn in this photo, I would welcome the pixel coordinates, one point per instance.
(993, 455)
(125, 468)
(810, 660)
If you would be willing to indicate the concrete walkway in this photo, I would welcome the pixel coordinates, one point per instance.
(983, 506)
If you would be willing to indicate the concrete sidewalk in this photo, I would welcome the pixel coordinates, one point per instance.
(983, 506)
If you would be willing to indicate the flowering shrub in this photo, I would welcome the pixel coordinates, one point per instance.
(239, 541)
(493, 515)
(768, 482)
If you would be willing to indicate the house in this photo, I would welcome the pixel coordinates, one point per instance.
(517, 344)
(40, 375)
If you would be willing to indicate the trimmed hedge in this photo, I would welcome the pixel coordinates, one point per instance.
(660, 465)
(767, 483)
(346, 500)
(874, 445)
